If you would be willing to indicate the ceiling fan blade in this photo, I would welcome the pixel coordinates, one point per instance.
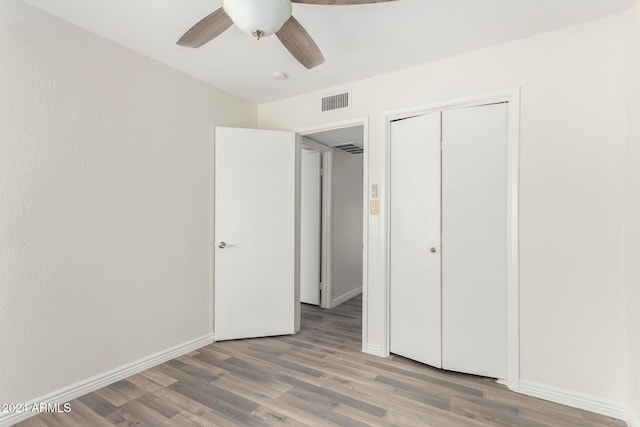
(339, 2)
(300, 44)
(210, 27)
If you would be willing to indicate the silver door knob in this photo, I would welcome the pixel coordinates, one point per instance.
(432, 250)
(222, 245)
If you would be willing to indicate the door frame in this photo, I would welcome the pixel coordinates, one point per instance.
(326, 221)
(512, 97)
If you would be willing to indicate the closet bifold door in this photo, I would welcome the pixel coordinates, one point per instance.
(414, 258)
(474, 190)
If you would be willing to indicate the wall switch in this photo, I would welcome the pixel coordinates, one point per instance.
(373, 207)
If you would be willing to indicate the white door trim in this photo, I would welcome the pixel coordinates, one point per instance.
(312, 145)
(326, 264)
(512, 96)
(326, 298)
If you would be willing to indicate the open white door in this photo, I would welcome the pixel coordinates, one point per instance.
(310, 218)
(256, 233)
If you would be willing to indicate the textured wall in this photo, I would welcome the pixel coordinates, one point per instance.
(573, 132)
(104, 203)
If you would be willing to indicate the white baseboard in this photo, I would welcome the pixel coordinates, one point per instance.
(373, 349)
(91, 384)
(633, 420)
(346, 297)
(574, 399)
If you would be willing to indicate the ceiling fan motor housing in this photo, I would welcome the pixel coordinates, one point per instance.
(263, 17)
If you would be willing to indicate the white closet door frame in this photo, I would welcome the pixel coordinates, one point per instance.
(512, 97)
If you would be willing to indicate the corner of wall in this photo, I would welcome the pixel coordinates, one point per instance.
(119, 144)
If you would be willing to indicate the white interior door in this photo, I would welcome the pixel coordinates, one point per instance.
(256, 233)
(474, 190)
(310, 220)
(415, 307)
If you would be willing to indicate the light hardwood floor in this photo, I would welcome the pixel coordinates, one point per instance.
(318, 377)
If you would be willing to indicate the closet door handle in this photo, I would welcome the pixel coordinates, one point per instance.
(432, 250)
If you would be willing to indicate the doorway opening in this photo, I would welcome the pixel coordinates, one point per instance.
(332, 220)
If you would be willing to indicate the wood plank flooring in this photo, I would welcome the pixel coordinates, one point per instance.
(316, 378)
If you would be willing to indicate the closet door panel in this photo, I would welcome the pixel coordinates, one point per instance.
(414, 232)
(474, 189)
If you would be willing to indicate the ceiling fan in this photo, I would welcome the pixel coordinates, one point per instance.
(262, 18)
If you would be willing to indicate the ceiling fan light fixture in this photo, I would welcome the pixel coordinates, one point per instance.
(259, 18)
(262, 18)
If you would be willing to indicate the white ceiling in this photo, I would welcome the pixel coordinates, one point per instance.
(357, 41)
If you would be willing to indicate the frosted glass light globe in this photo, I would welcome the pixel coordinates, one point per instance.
(266, 16)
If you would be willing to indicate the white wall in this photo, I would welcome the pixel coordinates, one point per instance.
(632, 230)
(346, 225)
(104, 203)
(573, 130)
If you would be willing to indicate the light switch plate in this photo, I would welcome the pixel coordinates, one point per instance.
(373, 207)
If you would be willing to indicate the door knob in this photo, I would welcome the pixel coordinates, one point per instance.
(432, 250)
(223, 245)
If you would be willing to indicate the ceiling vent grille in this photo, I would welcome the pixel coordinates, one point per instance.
(335, 102)
(350, 148)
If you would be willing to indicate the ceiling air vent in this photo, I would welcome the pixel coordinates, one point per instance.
(350, 148)
(335, 102)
